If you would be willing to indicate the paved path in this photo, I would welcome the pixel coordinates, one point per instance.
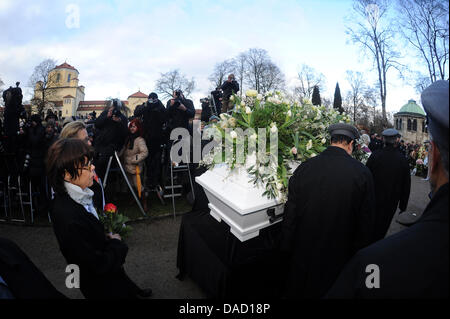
(151, 259)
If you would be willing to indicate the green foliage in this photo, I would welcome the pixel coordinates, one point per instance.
(301, 129)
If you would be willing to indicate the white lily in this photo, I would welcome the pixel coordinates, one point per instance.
(309, 145)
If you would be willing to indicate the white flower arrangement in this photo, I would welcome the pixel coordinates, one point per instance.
(301, 130)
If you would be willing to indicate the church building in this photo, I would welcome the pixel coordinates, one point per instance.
(410, 121)
(66, 97)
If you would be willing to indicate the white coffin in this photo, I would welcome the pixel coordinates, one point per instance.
(237, 202)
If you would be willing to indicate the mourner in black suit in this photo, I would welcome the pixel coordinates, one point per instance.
(414, 262)
(392, 180)
(19, 276)
(329, 216)
(79, 232)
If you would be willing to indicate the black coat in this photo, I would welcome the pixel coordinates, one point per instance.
(110, 135)
(82, 241)
(24, 279)
(179, 118)
(413, 263)
(229, 88)
(154, 116)
(328, 217)
(392, 181)
(13, 110)
(375, 144)
(36, 148)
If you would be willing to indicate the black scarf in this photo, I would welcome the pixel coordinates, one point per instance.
(130, 140)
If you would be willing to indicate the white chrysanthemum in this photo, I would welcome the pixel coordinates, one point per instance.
(254, 136)
(232, 98)
(248, 110)
(309, 145)
(313, 155)
(259, 97)
(324, 140)
(242, 103)
(251, 93)
(232, 121)
(294, 150)
(223, 116)
(233, 134)
(279, 186)
(289, 113)
(224, 125)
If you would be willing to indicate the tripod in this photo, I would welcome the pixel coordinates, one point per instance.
(116, 157)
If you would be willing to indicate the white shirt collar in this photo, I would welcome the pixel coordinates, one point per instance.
(81, 196)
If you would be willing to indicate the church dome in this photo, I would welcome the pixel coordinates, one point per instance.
(411, 108)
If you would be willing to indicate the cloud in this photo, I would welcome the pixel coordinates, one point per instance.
(121, 47)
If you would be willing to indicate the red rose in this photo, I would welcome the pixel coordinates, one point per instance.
(110, 208)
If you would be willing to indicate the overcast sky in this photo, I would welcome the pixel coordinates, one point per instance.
(120, 47)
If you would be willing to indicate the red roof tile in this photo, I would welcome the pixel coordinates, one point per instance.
(138, 94)
(65, 65)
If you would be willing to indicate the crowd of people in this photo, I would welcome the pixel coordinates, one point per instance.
(335, 219)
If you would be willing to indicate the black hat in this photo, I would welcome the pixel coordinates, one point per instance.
(390, 132)
(153, 95)
(344, 129)
(435, 103)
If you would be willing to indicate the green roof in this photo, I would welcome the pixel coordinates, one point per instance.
(412, 108)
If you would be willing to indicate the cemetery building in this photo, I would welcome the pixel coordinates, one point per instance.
(66, 95)
(410, 121)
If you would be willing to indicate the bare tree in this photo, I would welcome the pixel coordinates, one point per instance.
(43, 81)
(355, 95)
(272, 78)
(1, 91)
(239, 66)
(308, 78)
(256, 62)
(422, 82)
(425, 25)
(376, 37)
(173, 80)
(221, 72)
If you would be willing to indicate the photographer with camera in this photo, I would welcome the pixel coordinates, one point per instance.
(13, 111)
(180, 110)
(154, 117)
(216, 100)
(207, 109)
(229, 87)
(111, 129)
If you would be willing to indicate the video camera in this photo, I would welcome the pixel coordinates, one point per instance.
(116, 112)
(205, 100)
(117, 105)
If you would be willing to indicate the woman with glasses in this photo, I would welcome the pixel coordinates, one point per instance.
(80, 234)
(78, 130)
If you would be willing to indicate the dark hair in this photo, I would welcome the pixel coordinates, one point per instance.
(340, 139)
(390, 140)
(66, 155)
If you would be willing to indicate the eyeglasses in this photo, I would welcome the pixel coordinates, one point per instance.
(87, 167)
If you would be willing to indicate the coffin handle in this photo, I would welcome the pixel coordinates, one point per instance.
(273, 218)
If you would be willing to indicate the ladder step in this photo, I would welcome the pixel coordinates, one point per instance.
(174, 186)
(174, 195)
